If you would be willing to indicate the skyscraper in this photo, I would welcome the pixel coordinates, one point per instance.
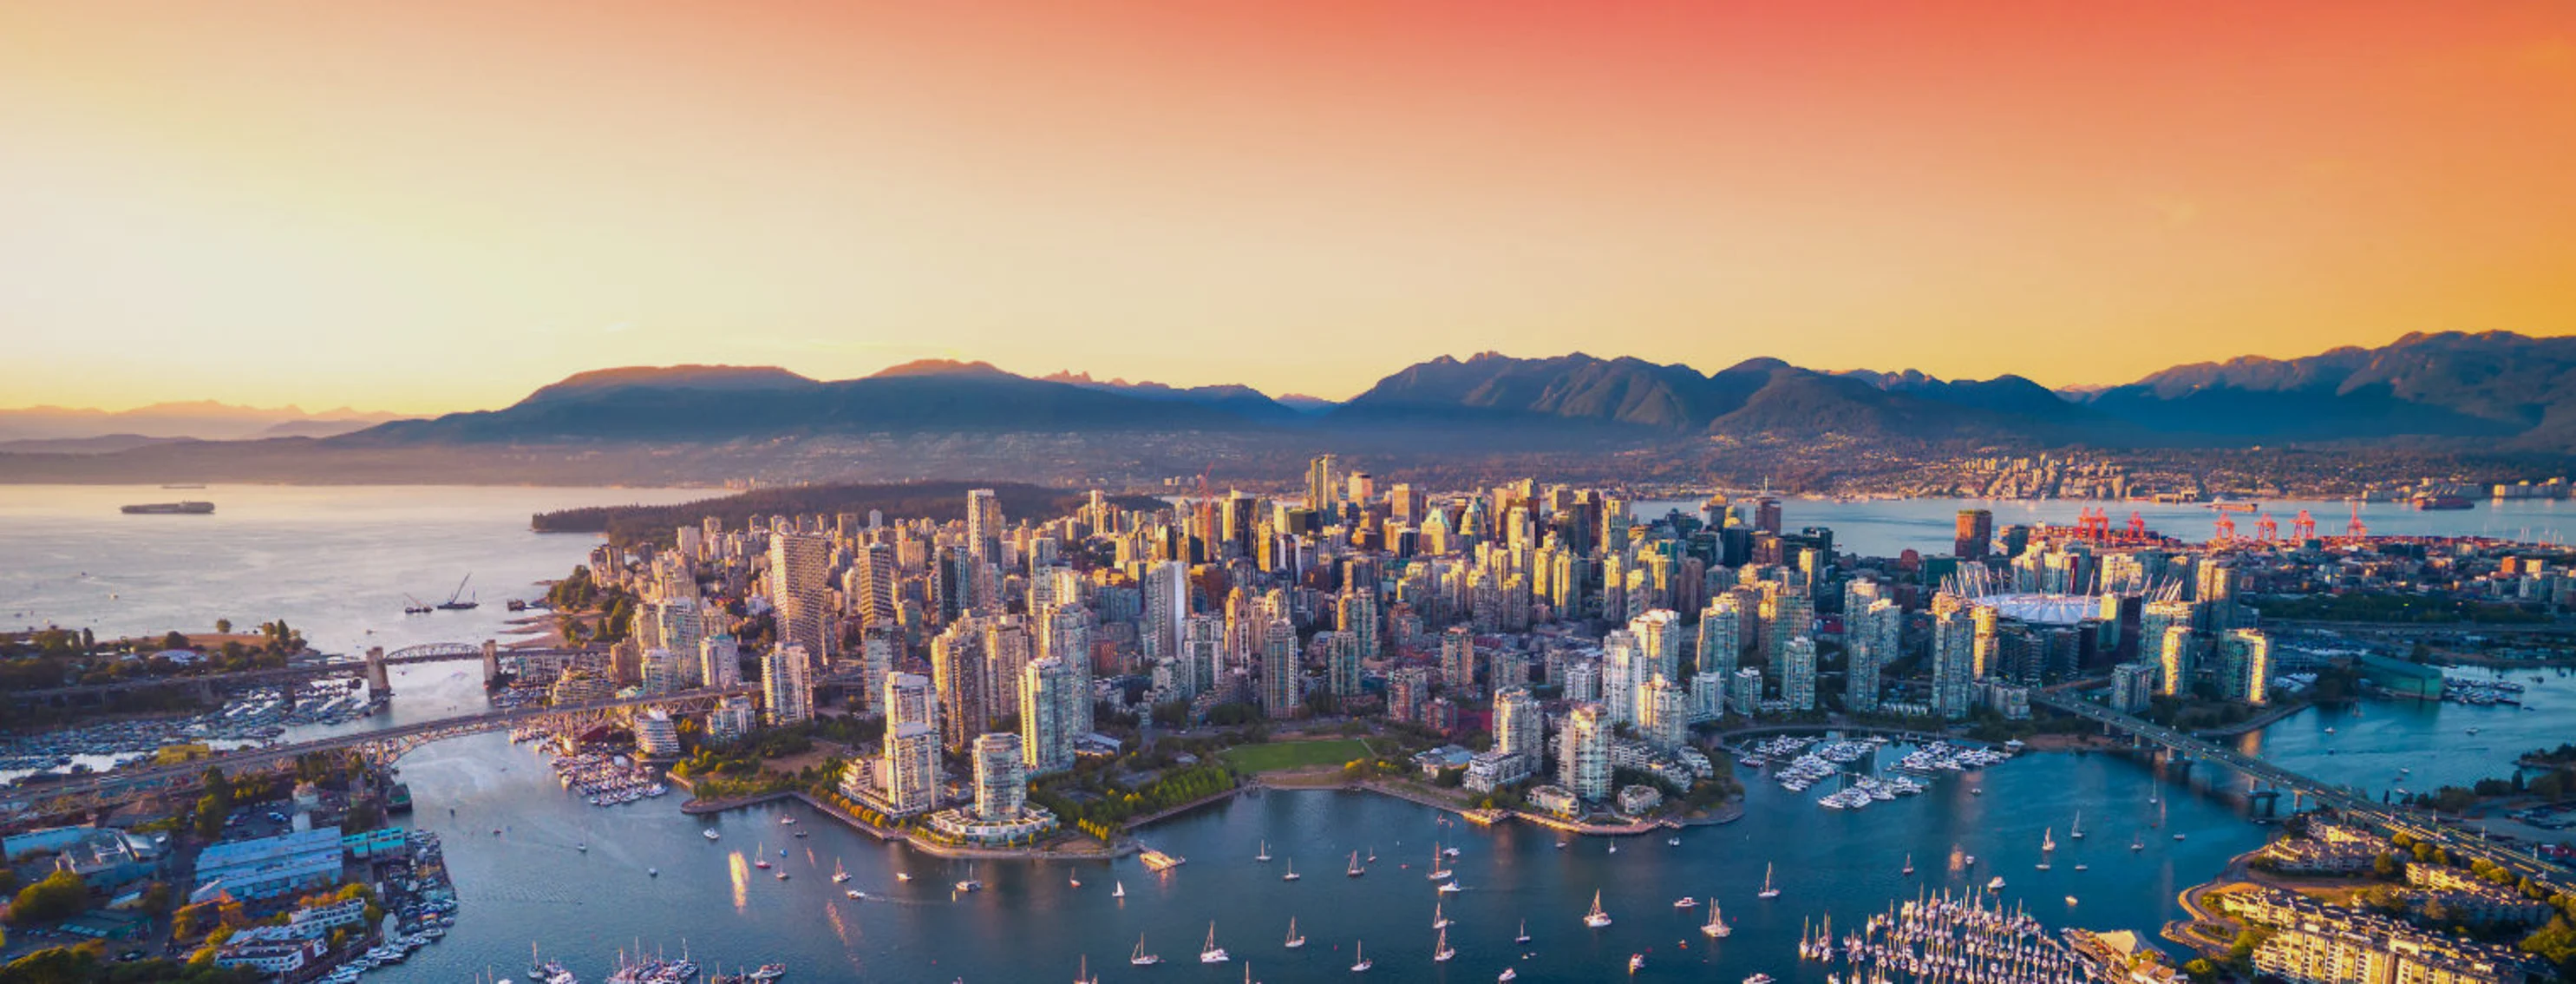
(1001, 782)
(871, 585)
(1458, 659)
(800, 589)
(910, 699)
(1798, 674)
(1621, 665)
(1167, 606)
(2174, 661)
(1319, 483)
(1788, 614)
(1663, 713)
(1870, 641)
(1721, 635)
(787, 698)
(1975, 535)
(910, 772)
(719, 661)
(957, 671)
(1280, 694)
(1520, 728)
(1583, 753)
(984, 526)
(1047, 701)
(2245, 658)
(1954, 644)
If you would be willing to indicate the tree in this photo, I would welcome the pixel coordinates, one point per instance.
(223, 626)
(61, 895)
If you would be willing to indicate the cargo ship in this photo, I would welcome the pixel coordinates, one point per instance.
(171, 509)
(2444, 502)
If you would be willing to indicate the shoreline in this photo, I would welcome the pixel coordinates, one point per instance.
(885, 836)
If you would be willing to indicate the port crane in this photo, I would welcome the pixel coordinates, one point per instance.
(453, 602)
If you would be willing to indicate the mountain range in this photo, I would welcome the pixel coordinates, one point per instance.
(2492, 387)
(84, 431)
(2494, 391)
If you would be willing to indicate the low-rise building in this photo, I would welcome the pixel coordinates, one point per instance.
(1489, 771)
(266, 867)
(1637, 800)
(1556, 799)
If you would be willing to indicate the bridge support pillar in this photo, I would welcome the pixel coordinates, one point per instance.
(2180, 765)
(379, 683)
(205, 693)
(491, 663)
(2266, 802)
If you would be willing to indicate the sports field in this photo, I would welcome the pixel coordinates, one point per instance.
(1278, 755)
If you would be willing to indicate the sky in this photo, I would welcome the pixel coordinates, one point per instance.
(437, 206)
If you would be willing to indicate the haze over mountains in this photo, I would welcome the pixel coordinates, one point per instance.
(2485, 392)
(2491, 386)
(76, 430)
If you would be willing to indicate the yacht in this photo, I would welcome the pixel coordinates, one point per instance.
(1118, 891)
(709, 833)
(1073, 879)
(1294, 941)
(1509, 973)
(1292, 871)
(1450, 886)
(1437, 872)
(1083, 976)
(1758, 979)
(1636, 962)
(2070, 901)
(1995, 884)
(854, 893)
(760, 857)
(1909, 865)
(1265, 852)
(1438, 921)
(2077, 832)
(1355, 870)
(839, 874)
(2137, 842)
(1614, 847)
(1524, 936)
(1141, 958)
(1440, 949)
(1769, 891)
(1596, 918)
(1672, 842)
(903, 876)
(1686, 902)
(1212, 953)
(1715, 928)
(2048, 840)
(969, 885)
(1363, 963)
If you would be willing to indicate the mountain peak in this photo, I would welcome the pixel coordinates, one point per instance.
(703, 377)
(939, 367)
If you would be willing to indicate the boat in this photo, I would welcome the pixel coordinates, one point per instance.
(2048, 840)
(903, 876)
(1437, 872)
(1438, 920)
(1686, 902)
(1264, 856)
(169, 509)
(583, 847)
(1448, 887)
(2138, 842)
(1363, 963)
(1995, 884)
(782, 875)
(1596, 918)
(969, 885)
(1672, 842)
(1293, 941)
(2077, 832)
(1636, 962)
(1441, 952)
(1073, 879)
(709, 833)
(453, 602)
(1212, 953)
(1372, 858)
(768, 972)
(1769, 891)
(1355, 870)
(1083, 976)
(2070, 901)
(2177, 836)
(1292, 871)
(1715, 928)
(1758, 979)
(1141, 958)
(1524, 936)
(855, 893)
(839, 874)
(657, 873)
(1909, 865)
(1118, 891)
(760, 857)
(1509, 973)
(2081, 866)
(1614, 847)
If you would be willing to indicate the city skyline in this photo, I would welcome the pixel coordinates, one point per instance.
(406, 210)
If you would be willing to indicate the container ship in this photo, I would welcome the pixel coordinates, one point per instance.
(2443, 502)
(171, 509)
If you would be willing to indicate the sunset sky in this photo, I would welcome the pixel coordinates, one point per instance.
(438, 206)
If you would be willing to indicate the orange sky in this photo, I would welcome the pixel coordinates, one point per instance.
(433, 206)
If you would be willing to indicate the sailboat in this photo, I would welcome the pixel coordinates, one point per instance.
(1212, 953)
(1372, 858)
(1440, 950)
(2077, 832)
(1141, 958)
(1073, 878)
(2137, 842)
(1265, 852)
(1292, 871)
(1294, 941)
(1363, 963)
(1119, 891)
(1438, 921)
(1437, 872)
(760, 857)
(1715, 927)
(1524, 936)
(2048, 839)
(1083, 976)
(1909, 865)
(1596, 918)
(1769, 891)
(839, 874)
(1355, 870)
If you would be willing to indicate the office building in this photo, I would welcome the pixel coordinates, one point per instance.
(787, 695)
(1583, 753)
(800, 594)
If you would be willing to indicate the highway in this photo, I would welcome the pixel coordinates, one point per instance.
(2353, 804)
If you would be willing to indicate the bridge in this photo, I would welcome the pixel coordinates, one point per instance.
(2353, 804)
(373, 668)
(381, 745)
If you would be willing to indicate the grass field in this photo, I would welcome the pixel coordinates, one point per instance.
(1278, 755)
